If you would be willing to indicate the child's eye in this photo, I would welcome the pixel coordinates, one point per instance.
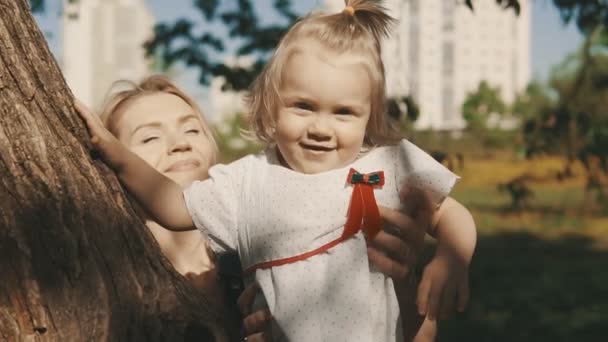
(344, 111)
(303, 105)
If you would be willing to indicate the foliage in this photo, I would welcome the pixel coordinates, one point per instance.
(481, 105)
(577, 124)
(533, 102)
(404, 110)
(514, 4)
(587, 14)
(535, 107)
(37, 5)
(578, 127)
(230, 138)
(181, 41)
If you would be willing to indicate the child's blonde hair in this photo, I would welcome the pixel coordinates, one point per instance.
(359, 28)
(117, 101)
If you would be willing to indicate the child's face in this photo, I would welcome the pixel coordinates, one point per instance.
(324, 110)
(168, 134)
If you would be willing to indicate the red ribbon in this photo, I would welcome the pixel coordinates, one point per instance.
(363, 213)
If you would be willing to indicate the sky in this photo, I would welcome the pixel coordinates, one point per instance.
(550, 41)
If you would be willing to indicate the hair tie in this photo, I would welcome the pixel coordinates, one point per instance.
(350, 10)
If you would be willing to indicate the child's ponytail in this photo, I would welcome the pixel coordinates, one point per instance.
(369, 14)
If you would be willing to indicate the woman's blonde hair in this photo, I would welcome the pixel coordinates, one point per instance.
(117, 101)
(358, 29)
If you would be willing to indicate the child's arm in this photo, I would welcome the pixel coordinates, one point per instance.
(160, 196)
(444, 282)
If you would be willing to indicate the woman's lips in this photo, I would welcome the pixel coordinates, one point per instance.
(183, 165)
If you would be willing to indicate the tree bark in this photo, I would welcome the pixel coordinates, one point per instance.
(76, 264)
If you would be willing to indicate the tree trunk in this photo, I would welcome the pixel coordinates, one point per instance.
(76, 264)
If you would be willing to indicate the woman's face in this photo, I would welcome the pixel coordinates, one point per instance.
(167, 133)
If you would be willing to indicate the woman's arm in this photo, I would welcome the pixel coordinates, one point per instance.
(160, 196)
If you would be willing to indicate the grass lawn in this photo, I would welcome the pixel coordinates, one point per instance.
(540, 274)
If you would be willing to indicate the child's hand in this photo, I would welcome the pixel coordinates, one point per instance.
(103, 141)
(444, 287)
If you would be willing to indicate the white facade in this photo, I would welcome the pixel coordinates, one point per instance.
(103, 42)
(440, 51)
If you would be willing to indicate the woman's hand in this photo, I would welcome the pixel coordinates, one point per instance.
(395, 249)
(394, 252)
(103, 141)
(256, 325)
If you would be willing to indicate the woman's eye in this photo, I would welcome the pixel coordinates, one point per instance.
(149, 139)
(193, 131)
(303, 106)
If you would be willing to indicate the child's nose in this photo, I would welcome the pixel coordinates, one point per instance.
(320, 128)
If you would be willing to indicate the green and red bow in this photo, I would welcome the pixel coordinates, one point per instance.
(363, 213)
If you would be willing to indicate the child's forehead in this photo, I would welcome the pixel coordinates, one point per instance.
(306, 62)
(315, 46)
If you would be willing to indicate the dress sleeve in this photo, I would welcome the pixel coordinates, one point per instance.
(213, 205)
(418, 169)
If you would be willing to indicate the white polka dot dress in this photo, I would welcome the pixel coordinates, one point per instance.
(266, 212)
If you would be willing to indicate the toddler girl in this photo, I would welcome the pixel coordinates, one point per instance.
(299, 213)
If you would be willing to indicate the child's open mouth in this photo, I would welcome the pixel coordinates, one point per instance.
(318, 148)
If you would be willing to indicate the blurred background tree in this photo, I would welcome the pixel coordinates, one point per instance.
(483, 108)
(232, 140)
(404, 110)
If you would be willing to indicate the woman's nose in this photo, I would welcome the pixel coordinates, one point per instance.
(178, 144)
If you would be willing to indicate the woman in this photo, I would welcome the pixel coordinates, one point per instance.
(163, 126)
